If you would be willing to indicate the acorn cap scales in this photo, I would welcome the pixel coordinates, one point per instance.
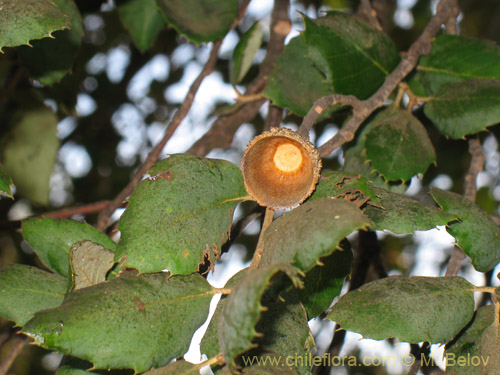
(280, 168)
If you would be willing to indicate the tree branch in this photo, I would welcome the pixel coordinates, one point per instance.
(16, 346)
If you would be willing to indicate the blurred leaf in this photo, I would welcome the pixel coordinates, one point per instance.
(308, 83)
(49, 60)
(311, 231)
(180, 215)
(270, 368)
(6, 184)
(24, 20)
(337, 184)
(476, 233)
(243, 308)
(26, 290)
(456, 58)
(30, 152)
(179, 367)
(412, 309)
(354, 62)
(490, 347)
(90, 262)
(404, 215)
(392, 141)
(200, 20)
(52, 240)
(143, 20)
(122, 323)
(244, 53)
(463, 108)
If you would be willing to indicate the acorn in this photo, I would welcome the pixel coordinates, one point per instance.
(280, 168)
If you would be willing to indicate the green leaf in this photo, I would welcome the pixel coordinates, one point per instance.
(270, 368)
(336, 184)
(311, 231)
(404, 215)
(24, 20)
(127, 322)
(244, 53)
(308, 83)
(200, 20)
(243, 308)
(75, 366)
(490, 347)
(469, 343)
(179, 367)
(455, 59)
(143, 20)
(52, 239)
(354, 56)
(49, 60)
(393, 140)
(463, 108)
(412, 309)
(476, 233)
(30, 152)
(25, 290)
(180, 215)
(90, 262)
(6, 185)
(324, 282)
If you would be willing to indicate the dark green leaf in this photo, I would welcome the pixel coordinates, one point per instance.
(413, 309)
(6, 185)
(128, 322)
(404, 215)
(50, 59)
(463, 108)
(308, 83)
(24, 290)
(200, 20)
(75, 366)
(490, 347)
(455, 59)
(90, 262)
(393, 140)
(181, 214)
(311, 231)
(30, 152)
(476, 233)
(244, 53)
(243, 308)
(274, 367)
(24, 20)
(143, 20)
(354, 56)
(52, 239)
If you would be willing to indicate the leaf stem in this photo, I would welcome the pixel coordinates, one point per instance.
(257, 256)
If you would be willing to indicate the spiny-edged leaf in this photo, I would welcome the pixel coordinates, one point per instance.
(24, 290)
(404, 215)
(476, 233)
(354, 56)
(393, 140)
(463, 108)
(243, 308)
(51, 239)
(90, 262)
(181, 214)
(308, 83)
(456, 58)
(76, 366)
(30, 152)
(51, 58)
(412, 309)
(24, 20)
(244, 53)
(200, 20)
(345, 185)
(6, 184)
(490, 347)
(324, 282)
(179, 367)
(311, 231)
(468, 344)
(143, 20)
(128, 322)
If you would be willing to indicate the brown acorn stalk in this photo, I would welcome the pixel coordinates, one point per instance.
(280, 168)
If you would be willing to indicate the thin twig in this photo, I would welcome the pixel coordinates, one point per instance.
(257, 256)
(366, 9)
(12, 83)
(16, 346)
(240, 225)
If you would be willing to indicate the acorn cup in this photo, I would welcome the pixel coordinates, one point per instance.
(280, 168)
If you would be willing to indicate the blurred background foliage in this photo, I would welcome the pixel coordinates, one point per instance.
(115, 104)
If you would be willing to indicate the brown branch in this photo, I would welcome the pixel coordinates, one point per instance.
(257, 256)
(446, 9)
(16, 346)
(12, 83)
(181, 113)
(240, 226)
(365, 9)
